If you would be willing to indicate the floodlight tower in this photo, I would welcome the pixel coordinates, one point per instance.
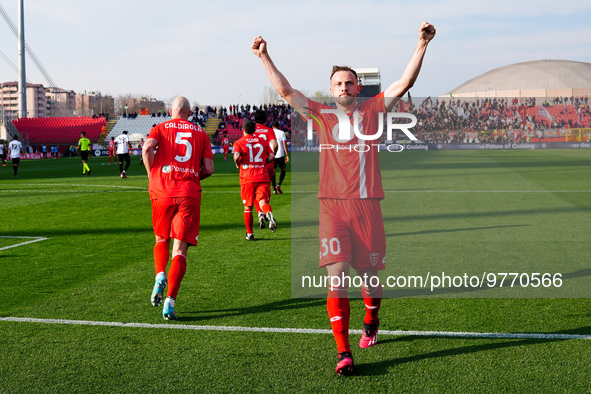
(22, 86)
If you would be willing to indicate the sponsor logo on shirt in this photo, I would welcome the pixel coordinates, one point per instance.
(169, 168)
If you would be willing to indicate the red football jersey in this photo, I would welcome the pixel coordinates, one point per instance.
(226, 142)
(111, 145)
(349, 172)
(254, 151)
(177, 162)
(266, 133)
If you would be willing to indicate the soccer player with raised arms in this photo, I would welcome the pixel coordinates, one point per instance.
(351, 229)
(175, 171)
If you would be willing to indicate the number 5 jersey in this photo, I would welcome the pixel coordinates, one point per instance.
(177, 161)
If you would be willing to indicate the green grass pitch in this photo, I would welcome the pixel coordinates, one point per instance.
(462, 210)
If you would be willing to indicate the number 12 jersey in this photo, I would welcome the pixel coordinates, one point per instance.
(254, 151)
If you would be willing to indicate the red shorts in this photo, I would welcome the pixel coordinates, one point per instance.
(177, 217)
(111, 152)
(352, 231)
(271, 169)
(255, 191)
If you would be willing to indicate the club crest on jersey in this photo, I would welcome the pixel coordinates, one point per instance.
(244, 166)
(373, 258)
(166, 169)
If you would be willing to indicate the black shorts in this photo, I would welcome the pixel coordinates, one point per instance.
(16, 160)
(84, 155)
(279, 162)
(123, 156)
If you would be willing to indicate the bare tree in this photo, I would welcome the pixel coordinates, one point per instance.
(321, 94)
(136, 103)
(103, 104)
(122, 101)
(270, 96)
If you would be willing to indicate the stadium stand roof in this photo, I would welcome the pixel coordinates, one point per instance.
(368, 75)
(539, 78)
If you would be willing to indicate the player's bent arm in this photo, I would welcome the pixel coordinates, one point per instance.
(412, 69)
(277, 79)
(148, 153)
(206, 168)
(270, 158)
(237, 159)
(274, 145)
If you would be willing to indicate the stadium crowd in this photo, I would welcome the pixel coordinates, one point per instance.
(232, 118)
(452, 120)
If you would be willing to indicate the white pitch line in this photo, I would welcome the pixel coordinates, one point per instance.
(489, 335)
(33, 239)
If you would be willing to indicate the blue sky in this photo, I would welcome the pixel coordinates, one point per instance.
(202, 49)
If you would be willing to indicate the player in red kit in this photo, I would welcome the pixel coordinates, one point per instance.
(268, 134)
(112, 150)
(226, 146)
(251, 155)
(351, 229)
(175, 171)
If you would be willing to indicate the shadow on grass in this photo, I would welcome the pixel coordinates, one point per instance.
(54, 232)
(382, 367)
(453, 230)
(289, 304)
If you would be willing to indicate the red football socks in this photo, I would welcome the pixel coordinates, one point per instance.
(266, 208)
(178, 267)
(248, 220)
(372, 300)
(161, 256)
(339, 311)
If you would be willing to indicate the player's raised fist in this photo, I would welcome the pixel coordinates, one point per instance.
(259, 46)
(427, 31)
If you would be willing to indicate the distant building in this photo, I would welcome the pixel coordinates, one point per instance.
(136, 105)
(36, 100)
(94, 103)
(60, 102)
(53, 102)
(540, 78)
